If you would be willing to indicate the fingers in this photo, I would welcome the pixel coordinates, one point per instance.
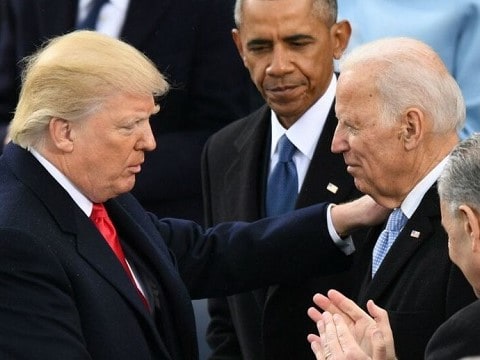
(345, 337)
(314, 314)
(325, 303)
(325, 345)
(329, 338)
(381, 318)
(379, 349)
(348, 308)
(317, 350)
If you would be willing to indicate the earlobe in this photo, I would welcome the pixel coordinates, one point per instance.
(412, 128)
(340, 33)
(61, 134)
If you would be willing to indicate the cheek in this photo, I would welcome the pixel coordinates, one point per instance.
(258, 78)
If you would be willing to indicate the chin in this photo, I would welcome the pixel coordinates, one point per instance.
(126, 187)
(360, 186)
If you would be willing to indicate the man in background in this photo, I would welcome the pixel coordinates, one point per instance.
(288, 48)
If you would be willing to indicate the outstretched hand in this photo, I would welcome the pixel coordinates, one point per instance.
(358, 213)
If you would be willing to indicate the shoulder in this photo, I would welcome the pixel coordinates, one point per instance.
(243, 134)
(455, 338)
(242, 127)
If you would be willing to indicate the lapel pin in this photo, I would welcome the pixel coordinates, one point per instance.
(332, 188)
(415, 234)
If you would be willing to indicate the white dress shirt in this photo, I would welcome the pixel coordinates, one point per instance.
(304, 133)
(415, 196)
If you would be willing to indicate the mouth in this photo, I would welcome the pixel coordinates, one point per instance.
(350, 167)
(283, 93)
(135, 169)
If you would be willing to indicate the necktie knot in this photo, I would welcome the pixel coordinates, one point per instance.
(102, 221)
(285, 149)
(98, 212)
(396, 220)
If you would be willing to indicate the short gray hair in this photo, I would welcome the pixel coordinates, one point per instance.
(326, 10)
(408, 73)
(459, 182)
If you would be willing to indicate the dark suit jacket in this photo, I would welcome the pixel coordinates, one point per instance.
(417, 283)
(270, 323)
(63, 294)
(457, 337)
(190, 42)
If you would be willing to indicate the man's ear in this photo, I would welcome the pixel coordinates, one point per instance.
(412, 127)
(238, 43)
(60, 131)
(471, 225)
(340, 35)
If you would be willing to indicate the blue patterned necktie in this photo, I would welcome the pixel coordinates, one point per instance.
(282, 187)
(396, 222)
(90, 21)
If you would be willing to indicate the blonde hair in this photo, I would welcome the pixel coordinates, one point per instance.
(72, 75)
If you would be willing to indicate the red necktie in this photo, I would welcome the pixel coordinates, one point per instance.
(103, 223)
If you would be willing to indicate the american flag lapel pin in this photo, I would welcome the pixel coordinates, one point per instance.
(332, 188)
(415, 234)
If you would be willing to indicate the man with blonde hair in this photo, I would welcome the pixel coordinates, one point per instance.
(86, 273)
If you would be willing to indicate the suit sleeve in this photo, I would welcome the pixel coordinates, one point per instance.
(39, 320)
(236, 257)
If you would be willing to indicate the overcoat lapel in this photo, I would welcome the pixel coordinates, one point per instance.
(245, 178)
(158, 259)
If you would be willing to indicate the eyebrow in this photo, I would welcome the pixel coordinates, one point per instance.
(291, 38)
(255, 42)
(297, 37)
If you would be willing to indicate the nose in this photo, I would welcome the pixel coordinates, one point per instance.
(280, 62)
(147, 140)
(340, 140)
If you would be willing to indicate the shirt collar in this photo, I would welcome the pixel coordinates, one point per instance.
(81, 200)
(414, 197)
